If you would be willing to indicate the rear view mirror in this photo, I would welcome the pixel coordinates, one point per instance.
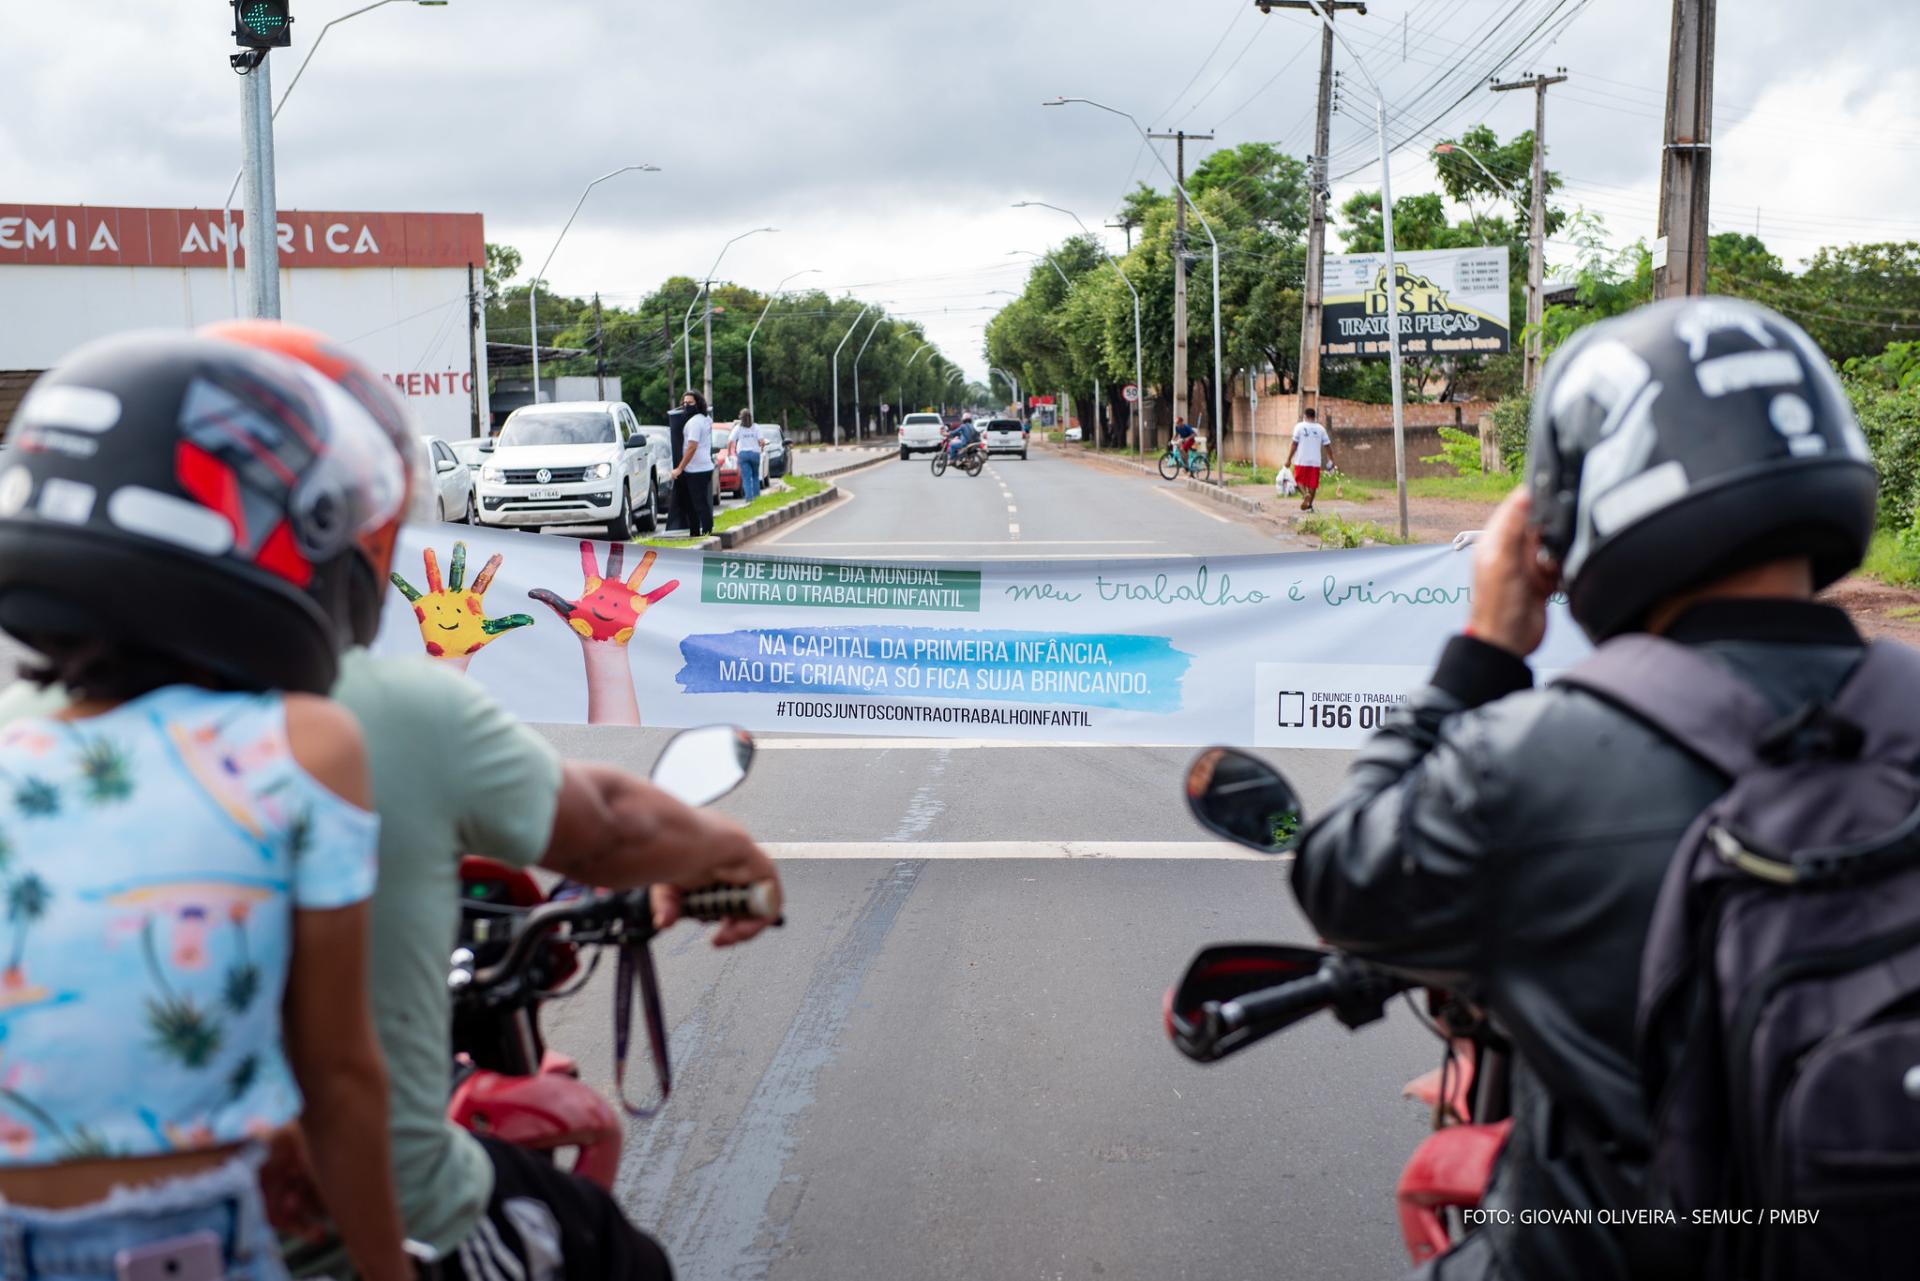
(636, 442)
(1226, 972)
(1244, 799)
(699, 766)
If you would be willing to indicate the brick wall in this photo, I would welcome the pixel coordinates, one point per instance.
(13, 386)
(1362, 433)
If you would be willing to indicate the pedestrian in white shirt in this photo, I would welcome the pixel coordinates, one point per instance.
(1311, 450)
(697, 465)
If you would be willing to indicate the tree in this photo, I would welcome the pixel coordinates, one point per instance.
(1268, 184)
(503, 264)
(1510, 162)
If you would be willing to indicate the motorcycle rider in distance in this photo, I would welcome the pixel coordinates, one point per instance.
(454, 773)
(1507, 842)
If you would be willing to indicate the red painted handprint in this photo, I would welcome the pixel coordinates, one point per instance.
(604, 617)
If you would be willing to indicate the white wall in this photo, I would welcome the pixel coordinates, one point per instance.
(409, 324)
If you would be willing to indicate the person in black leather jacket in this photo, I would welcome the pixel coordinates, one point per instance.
(1508, 842)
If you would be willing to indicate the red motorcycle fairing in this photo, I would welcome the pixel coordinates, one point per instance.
(1449, 1170)
(550, 1110)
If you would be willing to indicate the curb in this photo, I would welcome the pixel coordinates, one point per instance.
(1205, 488)
(728, 539)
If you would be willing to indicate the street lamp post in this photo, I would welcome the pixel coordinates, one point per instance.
(1013, 385)
(226, 206)
(1219, 424)
(836, 370)
(859, 423)
(1139, 380)
(903, 374)
(756, 333)
(686, 322)
(533, 286)
(1536, 265)
(1392, 269)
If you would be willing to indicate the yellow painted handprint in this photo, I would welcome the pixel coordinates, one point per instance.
(453, 623)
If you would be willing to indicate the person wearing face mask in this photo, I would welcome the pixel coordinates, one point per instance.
(696, 465)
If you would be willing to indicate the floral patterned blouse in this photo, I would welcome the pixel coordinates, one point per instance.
(151, 860)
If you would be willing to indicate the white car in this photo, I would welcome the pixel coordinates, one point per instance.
(1072, 433)
(920, 433)
(573, 463)
(472, 452)
(454, 483)
(1004, 436)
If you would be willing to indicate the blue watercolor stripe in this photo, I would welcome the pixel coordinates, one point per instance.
(1141, 673)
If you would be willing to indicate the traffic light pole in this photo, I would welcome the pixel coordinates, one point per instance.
(262, 209)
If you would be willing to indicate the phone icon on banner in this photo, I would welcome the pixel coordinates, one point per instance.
(1293, 708)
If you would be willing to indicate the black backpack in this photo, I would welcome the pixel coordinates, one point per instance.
(1778, 1028)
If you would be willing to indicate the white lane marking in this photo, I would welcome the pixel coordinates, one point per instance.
(1011, 509)
(851, 743)
(1167, 493)
(793, 526)
(896, 850)
(1013, 530)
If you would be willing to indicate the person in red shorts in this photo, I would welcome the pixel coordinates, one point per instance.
(1311, 450)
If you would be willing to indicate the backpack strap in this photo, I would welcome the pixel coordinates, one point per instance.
(1687, 696)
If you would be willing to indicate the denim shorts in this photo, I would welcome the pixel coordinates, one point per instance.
(80, 1244)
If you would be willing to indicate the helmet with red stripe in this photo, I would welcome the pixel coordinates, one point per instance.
(200, 499)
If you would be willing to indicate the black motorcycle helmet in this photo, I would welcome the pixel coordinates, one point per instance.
(192, 498)
(1688, 440)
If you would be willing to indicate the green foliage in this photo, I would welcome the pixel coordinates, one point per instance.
(503, 264)
(1334, 530)
(1510, 418)
(1854, 299)
(1488, 487)
(1511, 162)
(1895, 369)
(1894, 558)
(798, 487)
(1891, 420)
(1459, 450)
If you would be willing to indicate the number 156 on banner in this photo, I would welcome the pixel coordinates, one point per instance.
(1323, 705)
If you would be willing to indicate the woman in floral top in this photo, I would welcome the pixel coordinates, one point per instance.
(186, 850)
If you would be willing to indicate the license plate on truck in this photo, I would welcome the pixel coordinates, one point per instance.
(544, 493)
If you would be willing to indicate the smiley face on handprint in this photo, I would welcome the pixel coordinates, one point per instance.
(609, 608)
(454, 623)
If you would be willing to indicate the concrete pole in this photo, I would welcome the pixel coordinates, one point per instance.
(1537, 219)
(1686, 164)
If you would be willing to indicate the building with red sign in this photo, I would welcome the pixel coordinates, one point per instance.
(396, 289)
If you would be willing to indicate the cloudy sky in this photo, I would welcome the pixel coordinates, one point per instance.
(887, 140)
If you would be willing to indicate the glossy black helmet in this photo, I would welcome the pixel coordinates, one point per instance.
(195, 498)
(1685, 441)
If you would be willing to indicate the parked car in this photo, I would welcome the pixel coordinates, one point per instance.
(1072, 433)
(1004, 436)
(726, 461)
(573, 463)
(774, 442)
(919, 433)
(473, 452)
(453, 482)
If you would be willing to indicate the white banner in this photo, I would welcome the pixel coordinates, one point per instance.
(1307, 649)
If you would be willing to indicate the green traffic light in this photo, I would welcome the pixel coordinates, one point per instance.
(262, 24)
(264, 19)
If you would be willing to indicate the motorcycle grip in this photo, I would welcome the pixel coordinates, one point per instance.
(759, 901)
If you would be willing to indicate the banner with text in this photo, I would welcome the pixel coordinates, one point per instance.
(1306, 649)
(1453, 302)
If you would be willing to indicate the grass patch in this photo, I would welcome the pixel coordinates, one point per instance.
(1893, 559)
(1490, 487)
(1336, 531)
(670, 542)
(798, 487)
(1904, 612)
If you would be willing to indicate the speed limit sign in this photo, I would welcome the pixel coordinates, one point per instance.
(1131, 391)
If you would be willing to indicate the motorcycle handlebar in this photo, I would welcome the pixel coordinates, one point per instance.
(1274, 1004)
(759, 901)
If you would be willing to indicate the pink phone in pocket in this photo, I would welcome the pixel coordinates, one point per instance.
(194, 1257)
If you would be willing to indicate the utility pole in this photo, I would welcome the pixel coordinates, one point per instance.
(475, 318)
(706, 348)
(599, 352)
(1127, 225)
(262, 228)
(1537, 233)
(1313, 293)
(1689, 151)
(1179, 140)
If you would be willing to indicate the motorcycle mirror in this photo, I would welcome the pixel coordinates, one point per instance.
(1224, 972)
(699, 766)
(1244, 799)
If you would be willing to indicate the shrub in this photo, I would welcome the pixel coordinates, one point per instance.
(1510, 429)
(1459, 450)
(1891, 420)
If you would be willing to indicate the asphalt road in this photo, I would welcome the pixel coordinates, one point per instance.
(950, 1063)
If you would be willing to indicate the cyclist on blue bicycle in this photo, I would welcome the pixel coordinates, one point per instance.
(1184, 441)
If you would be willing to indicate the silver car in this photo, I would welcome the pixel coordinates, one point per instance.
(453, 483)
